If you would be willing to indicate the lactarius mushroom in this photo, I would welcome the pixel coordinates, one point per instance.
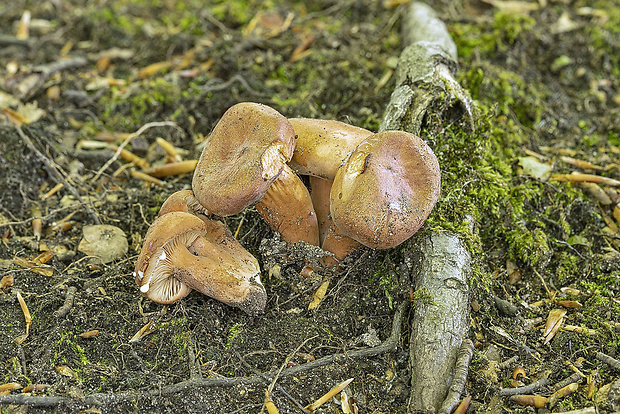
(183, 252)
(244, 155)
(287, 208)
(322, 145)
(386, 189)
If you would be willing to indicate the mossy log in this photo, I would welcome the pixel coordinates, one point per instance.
(442, 263)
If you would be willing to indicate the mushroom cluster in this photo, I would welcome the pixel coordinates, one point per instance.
(365, 189)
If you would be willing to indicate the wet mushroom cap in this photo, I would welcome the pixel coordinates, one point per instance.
(386, 189)
(322, 145)
(245, 153)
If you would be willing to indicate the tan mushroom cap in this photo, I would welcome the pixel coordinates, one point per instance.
(245, 153)
(386, 189)
(287, 208)
(182, 251)
(183, 200)
(322, 145)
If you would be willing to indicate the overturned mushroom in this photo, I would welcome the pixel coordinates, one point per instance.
(183, 252)
(246, 152)
(386, 189)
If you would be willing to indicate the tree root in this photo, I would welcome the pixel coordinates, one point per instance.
(99, 399)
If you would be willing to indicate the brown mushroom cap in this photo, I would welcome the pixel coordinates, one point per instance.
(245, 153)
(181, 251)
(287, 208)
(386, 189)
(322, 145)
(183, 200)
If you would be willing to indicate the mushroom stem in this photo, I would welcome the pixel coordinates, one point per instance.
(287, 208)
(320, 189)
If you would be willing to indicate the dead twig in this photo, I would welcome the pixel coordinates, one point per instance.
(528, 389)
(56, 175)
(126, 141)
(66, 307)
(461, 368)
(612, 362)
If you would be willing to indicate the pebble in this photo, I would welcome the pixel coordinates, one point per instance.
(104, 242)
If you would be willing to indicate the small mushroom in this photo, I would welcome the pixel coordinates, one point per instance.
(182, 251)
(183, 200)
(322, 145)
(244, 155)
(287, 208)
(386, 189)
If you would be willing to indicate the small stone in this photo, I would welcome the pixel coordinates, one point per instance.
(104, 242)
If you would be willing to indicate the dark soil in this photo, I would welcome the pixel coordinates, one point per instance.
(542, 87)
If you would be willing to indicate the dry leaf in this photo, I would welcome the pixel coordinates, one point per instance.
(328, 396)
(144, 331)
(318, 296)
(553, 324)
(65, 371)
(10, 386)
(529, 400)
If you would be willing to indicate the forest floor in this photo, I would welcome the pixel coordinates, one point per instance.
(545, 77)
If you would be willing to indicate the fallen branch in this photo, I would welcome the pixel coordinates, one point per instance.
(425, 81)
(56, 175)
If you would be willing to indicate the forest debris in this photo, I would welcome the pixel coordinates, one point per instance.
(22, 304)
(65, 371)
(518, 372)
(11, 386)
(612, 362)
(89, 334)
(514, 6)
(7, 281)
(555, 319)
(24, 114)
(23, 30)
(104, 242)
(532, 167)
(588, 178)
(269, 405)
(33, 266)
(328, 396)
(172, 168)
(144, 331)
(68, 304)
(146, 178)
(154, 68)
(318, 296)
(537, 401)
(561, 393)
(302, 50)
(580, 163)
(171, 150)
(597, 192)
(534, 386)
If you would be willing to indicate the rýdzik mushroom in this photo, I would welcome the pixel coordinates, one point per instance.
(367, 189)
(182, 252)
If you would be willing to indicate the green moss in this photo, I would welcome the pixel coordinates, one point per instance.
(234, 334)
